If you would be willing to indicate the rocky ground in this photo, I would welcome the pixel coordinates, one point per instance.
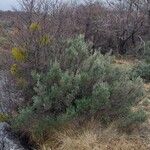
(7, 139)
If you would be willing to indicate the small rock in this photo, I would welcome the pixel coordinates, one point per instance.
(7, 140)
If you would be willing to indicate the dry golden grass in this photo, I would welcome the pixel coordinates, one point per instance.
(94, 137)
(147, 86)
(126, 61)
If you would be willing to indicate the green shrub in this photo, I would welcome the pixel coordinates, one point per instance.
(132, 119)
(143, 70)
(147, 52)
(80, 84)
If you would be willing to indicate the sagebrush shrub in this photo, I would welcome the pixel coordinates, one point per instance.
(132, 119)
(80, 84)
(143, 70)
(147, 52)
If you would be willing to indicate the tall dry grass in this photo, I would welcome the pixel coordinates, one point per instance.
(93, 137)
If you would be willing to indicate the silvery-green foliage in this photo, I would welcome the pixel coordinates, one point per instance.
(80, 84)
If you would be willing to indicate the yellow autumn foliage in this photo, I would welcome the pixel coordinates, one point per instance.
(45, 40)
(19, 54)
(14, 69)
(3, 117)
(34, 27)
